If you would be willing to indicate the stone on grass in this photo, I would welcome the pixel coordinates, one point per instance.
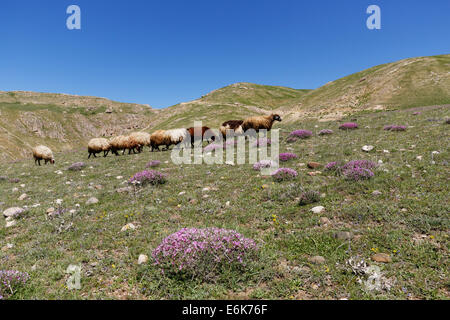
(314, 165)
(23, 197)
(317, 260)
(367, 148)
(13, 212)
(324, 220)
(92, 200)
(124, 189)
(128, 226)
(50, 210)
(343, 235)
(317, 209)
(11, 223)
(376, 193)
(381, 257)
(142, 259)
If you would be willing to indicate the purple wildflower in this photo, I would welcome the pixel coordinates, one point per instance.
(395, 128)
(287, 156)
(348, 126)
(365, 164)
(264, 164)
(153, 163)
(284, 174)
(203, 252)
(357, 173)
(333, 166)
(148, 177)
(10, 281)
(325, 132)
(302, 134)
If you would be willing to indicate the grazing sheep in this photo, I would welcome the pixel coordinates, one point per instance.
(98, 145)
(235, 125)
(123, 143)
(260, 122)
(141, 138)
(198, 133)
(167, 138)
(43, 153)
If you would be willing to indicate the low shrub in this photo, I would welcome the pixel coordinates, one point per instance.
(204, 253)
(348, 126)
(148, 177)
(11, 281)
(302, 134)
(283, 174)
(287, 156)
(309, 197)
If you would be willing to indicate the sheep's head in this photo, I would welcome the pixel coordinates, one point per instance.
(276, 117)
(52, 161)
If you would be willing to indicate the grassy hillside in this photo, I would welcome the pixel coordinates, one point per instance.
(406, 83)
(62, 122)
(402, 212)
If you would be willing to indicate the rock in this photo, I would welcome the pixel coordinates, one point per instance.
(15, 189)
(99, 187)
(13, 212)
(227, 204)
(314, 165)
(324, 220)
(50, 210)
(314, 173)
(92, 200)
(77, 166)
(317, 209)
(376, 193)
(119, 177)
(193, 201)
(206, 189)
(317, 260)
(127, 227)
(23, 197)
(59, 201)
(124, 189)
(419, 157)
(343, 235)
(381, 257)
(181, 193)
(11, 223)
(7, 247)
(142, 259)
(205, 196)
(301, 164)
(367, 148)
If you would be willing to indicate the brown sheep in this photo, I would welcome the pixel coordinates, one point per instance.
(235, 125)
(123, 143)
(167, 138)
(198, 134)
(140, 138)
(42, 153)
(98, 145)
(260, 122)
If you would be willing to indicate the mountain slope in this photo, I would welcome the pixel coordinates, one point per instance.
(62, 122)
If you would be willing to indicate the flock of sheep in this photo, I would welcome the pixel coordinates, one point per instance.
(136, 141)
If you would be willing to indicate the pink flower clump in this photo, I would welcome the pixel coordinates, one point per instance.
(264, 164)
(287, 156)
(284, 174)
(203, 252)
(325, 132)
(148, 177)
(348, 126)
(302, 134)
(395, 128)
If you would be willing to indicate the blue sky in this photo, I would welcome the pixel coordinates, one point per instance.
(169, 51)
